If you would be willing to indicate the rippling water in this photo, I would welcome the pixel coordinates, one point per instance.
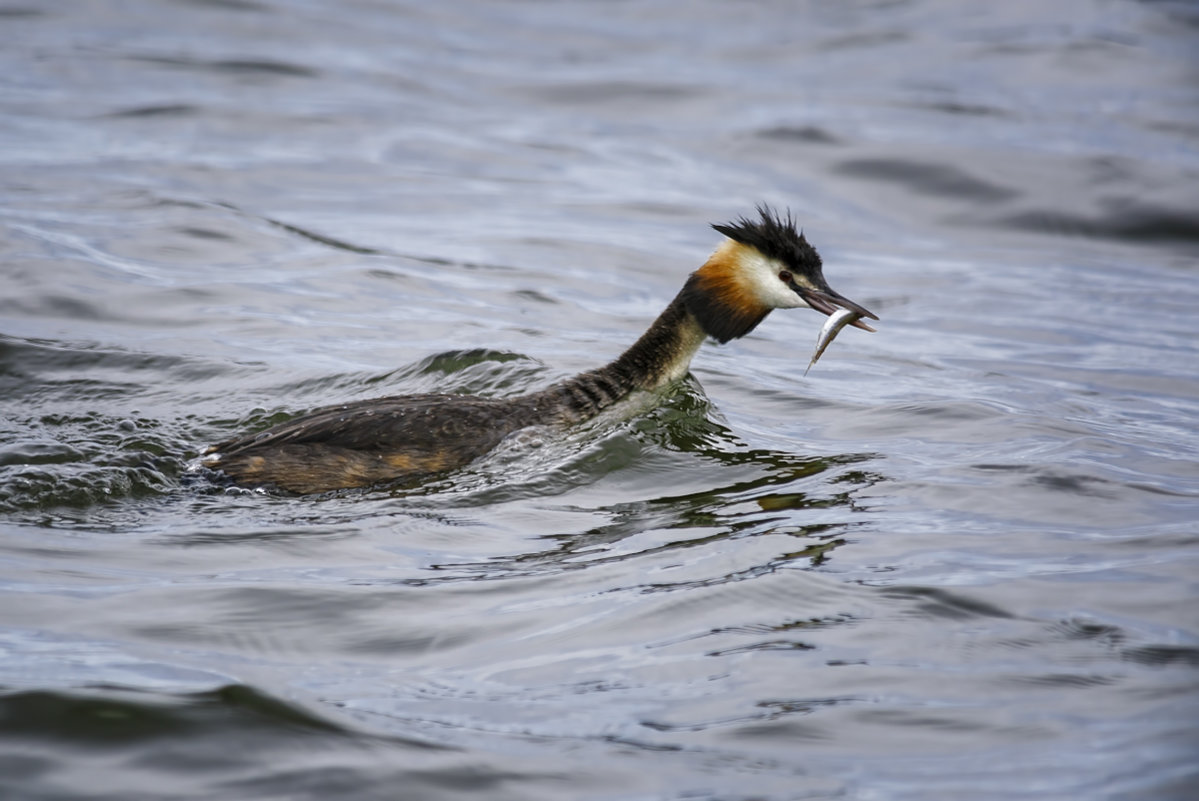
(957, 560)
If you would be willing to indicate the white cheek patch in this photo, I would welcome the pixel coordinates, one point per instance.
(762, 275)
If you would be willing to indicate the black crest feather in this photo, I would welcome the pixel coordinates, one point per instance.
(775, 237)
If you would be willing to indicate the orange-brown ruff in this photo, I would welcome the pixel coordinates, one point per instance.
(763, 264)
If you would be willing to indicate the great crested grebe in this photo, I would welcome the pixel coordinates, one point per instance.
(763, 264)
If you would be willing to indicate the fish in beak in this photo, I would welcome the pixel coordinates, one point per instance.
(827, 301)
(841, 312)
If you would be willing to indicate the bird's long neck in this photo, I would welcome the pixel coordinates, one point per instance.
(662, 354)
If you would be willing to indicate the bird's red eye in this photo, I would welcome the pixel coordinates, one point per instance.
(785, 277)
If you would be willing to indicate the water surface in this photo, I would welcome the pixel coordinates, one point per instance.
(957, 560)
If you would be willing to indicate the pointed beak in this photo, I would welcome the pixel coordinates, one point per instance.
(826, 301)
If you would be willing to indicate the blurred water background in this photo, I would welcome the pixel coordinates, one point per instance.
(957, 560)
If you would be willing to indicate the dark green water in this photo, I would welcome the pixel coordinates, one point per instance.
(957, 560)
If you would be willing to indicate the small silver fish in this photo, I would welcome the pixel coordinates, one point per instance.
(832, 326)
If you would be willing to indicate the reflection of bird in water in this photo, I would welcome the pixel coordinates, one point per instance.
(764, 264)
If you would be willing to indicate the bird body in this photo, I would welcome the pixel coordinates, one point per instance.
(763, 264)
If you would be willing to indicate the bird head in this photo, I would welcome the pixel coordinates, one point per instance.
(764, 264)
